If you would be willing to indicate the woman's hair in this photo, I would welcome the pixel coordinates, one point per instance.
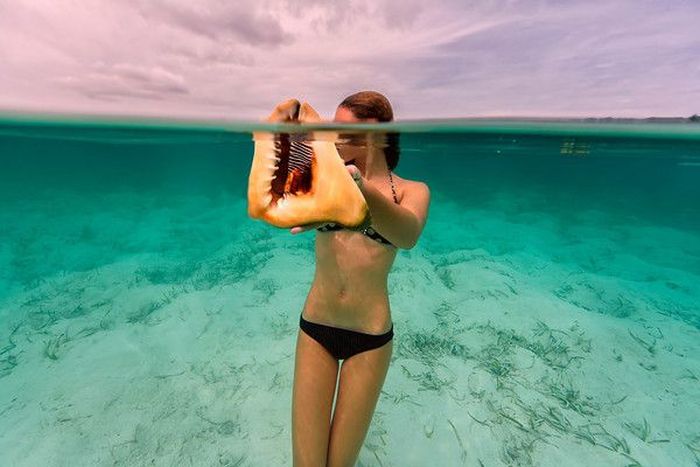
(371, 104)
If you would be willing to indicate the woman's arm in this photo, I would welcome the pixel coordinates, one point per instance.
(400, 224)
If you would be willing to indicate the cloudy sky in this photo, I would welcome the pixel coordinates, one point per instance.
(236, 58)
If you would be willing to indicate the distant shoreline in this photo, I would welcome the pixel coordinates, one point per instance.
(24, 114)
(691, 119)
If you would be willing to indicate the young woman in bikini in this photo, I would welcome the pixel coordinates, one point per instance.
(346, 315)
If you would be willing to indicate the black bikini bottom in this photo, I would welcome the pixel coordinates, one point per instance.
(343, 343)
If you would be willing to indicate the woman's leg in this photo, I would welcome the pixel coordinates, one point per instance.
(361, 380)
(315, 376)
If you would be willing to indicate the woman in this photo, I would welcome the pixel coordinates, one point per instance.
(346, 315)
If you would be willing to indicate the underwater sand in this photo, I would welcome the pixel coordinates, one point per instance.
(145, 330)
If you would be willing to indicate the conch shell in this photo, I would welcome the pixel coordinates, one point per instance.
(298, 179)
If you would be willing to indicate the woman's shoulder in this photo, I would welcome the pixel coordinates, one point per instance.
(409, 186)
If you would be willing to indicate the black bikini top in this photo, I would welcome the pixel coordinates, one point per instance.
(369, 231)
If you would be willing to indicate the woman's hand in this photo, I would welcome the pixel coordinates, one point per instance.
(356, 175)
(304, 228)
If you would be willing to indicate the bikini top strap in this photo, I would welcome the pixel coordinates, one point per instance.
(393, 190)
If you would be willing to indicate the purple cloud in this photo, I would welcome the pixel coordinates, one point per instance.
(111, 82)
(219, 21)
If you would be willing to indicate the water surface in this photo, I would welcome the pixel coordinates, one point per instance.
(549, 314)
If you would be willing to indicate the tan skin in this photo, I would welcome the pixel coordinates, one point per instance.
(349, 291)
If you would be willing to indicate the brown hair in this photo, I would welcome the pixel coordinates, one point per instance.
(371, 104)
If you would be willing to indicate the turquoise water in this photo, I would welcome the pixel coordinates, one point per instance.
(549, 315)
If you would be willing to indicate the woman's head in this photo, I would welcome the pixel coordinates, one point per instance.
(371, 106)
(367, 106)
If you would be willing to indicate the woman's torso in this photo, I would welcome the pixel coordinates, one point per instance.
(349, 289)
